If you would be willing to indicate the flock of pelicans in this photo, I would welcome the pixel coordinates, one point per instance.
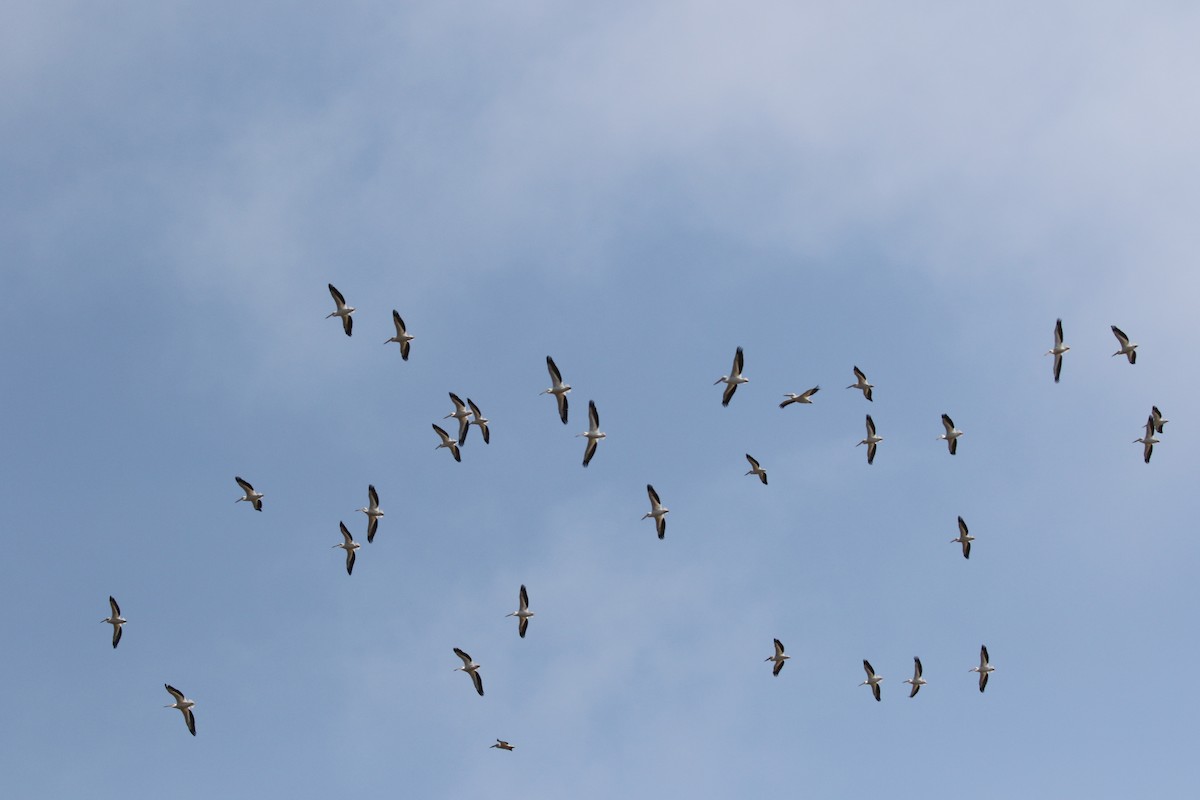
(468, 414)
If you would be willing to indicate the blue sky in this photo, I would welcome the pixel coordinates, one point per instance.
(635, 190)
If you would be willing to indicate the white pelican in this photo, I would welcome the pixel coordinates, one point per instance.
(557, 388)
(805, 398)
(657, 511)
(349, 546)
(861, 383)
(778, 658)
(1127, 349)
(449, 443)
(1148, 439)
(1058, 349)
(503, 745)
(522, 613)
(116, 620)
(373, 512)
(984, 668)
(755, 469)
(461, 414)
(344, 311)
(951, 435)
(184, 705)
(593, 433)
(252, 497)
(733, 378)
(471, 668)
(1159, 419)
(871, 440)
(917, 681)
(964, 538)
(872, 680)
(402, 335)
(479, 420)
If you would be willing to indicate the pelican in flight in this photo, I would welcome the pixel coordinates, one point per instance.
(917, 681)
(860, 382)
(503, 745)
(557, 388)
(461, 414)
(448, 443)
(116, 620)
(479, 420)
(344, 311)
(252, 497)
(872, 680)
(471, 668)
(1058, 349)
(964, 538)
(755, 469)
(593, 433)
(402, 335)
(951, 435)
(373, 512)
(522, 613)
(349, 546)
(657, 511)
(805, 398)
(778, 658)
(1148, 439)
(1128, 349)
(184, 705)
(984, 668)
(733, 378)
(871, 440)
(1159, 419)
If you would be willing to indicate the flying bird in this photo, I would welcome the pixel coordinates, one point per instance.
(1148, 439)
(984, 668)
(344, 311)
(593, 433)
(733, 378)
(1058, 349)
(951, 435)
(778, 658)
(479, 420)
(461, 414)
(1127, 349)
(522, 613)
(871, 440)
(917, 681)
(658, 511)
(503, 745)
(755, 469)
(872, 680)
(1159, 419)
(964, 538)
(252, 497)
(557, 388)
(860, 382)
(402, 335)
(448, 443)
(116, 620)
(349, 545)
(184, 705)
(805, 398)
(471, 668)
(373, 512)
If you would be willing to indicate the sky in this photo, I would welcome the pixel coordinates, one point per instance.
(635, 189)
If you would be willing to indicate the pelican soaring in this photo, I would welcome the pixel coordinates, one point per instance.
(778, 658)
(1148, 439)
(503, 745)
(871, 440)
(184, 705)
(733, 379)
(471, 668)
(344, 311)
(657, 511)
(448, 443)
(1058, 349)
(964, 538)
(805, 398)
(860, 382)
(593, 433)
(480, 420)
(1159, 419)
(373, 512)
(872, 680)
(402, 335)
(984, 668)
(951, 435)
(522, 613)
(349, 545)
(116, 620)
(755, 469)
(917, 681)
(557, 388)
(252, 497)
(461, 414)
(1127, 349)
